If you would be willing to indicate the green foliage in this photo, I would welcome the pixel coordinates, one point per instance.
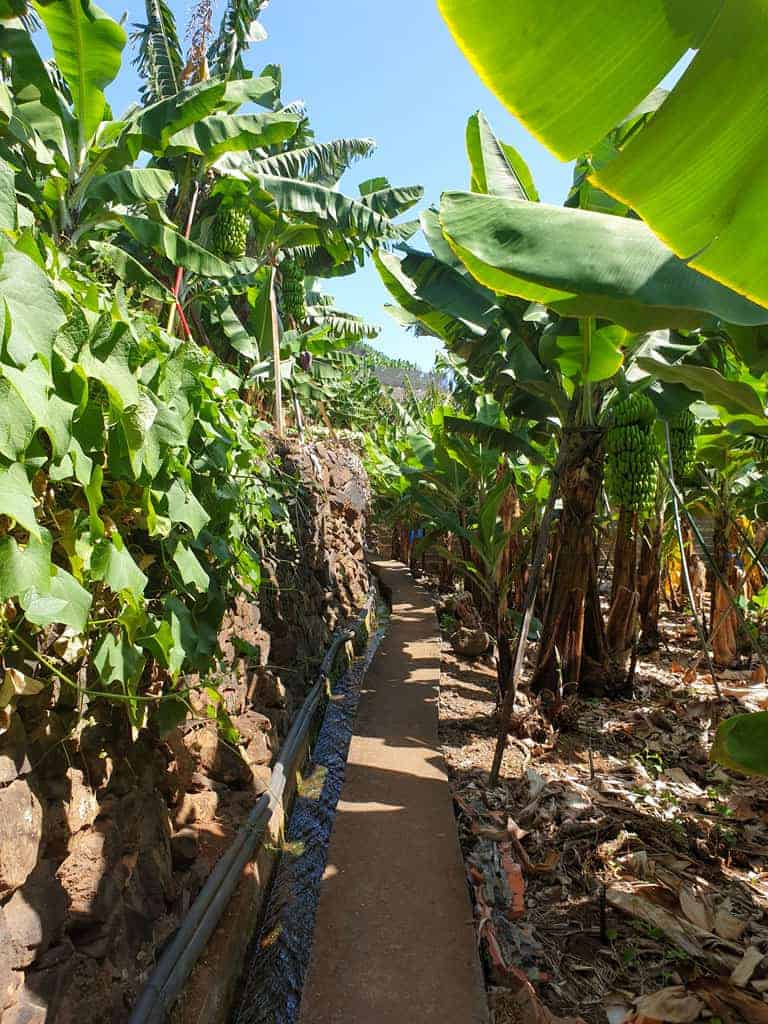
(581, 263)
(741, 744)
(571, 106)
(136, 488)
(159, 60)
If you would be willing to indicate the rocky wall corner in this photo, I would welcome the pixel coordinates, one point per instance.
(104, 840)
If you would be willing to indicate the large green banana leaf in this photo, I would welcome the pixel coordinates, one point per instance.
(741, 743)
(323, 162)
(328, 208)
(496, 169)
(389, 200)
(586, 264)
(217, 134)
(571, 72)
(88, 47)
(735, 396)
(435, 320)
(145, 184)
(157, 123)
(37, 103)
(179, 250)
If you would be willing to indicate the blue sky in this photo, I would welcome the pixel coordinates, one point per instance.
(387, 71)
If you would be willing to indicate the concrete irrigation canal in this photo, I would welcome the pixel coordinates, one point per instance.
(368, 918)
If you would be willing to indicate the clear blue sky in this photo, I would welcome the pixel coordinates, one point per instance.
(391, 72)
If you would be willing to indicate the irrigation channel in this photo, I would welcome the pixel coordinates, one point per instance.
(276, 966)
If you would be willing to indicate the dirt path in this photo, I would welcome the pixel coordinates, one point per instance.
(394, 939)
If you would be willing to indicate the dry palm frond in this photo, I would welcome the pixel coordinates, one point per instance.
(199, 32)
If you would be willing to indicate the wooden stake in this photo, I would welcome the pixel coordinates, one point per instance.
(279, 418)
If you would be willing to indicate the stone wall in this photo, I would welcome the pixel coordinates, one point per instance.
(106, 840)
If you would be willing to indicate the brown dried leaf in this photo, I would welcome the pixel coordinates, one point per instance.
(720, 996)
(674, 1004)
(546, 866)
(727, 926)
(636, 906)
(698, 907)
(519, 1002)
(749, 964)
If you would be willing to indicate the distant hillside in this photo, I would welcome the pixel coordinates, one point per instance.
(393, 373)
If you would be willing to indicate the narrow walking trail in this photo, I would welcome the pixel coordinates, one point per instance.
(394, 940)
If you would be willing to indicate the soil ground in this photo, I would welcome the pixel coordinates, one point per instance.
(616, 873)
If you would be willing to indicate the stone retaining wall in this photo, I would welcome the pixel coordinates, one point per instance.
(106, 840)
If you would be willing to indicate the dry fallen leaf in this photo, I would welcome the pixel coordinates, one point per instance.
(519, 1002)
(697, 906)
(19, 684)
(721, 997)
(674, 1004)
(636, 906)
(749, 964)
(727, 926)
(546, 866)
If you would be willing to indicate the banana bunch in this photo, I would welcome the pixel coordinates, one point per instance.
(293, 298)
(230, 231)
(682, 436)
(630, 470)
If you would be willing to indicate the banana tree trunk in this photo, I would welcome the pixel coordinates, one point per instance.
(446, 566)
(510, 563)
(400, 543)
(621, 626)
(649, 580)
(690, 555)
(573, 647)
(724, 621)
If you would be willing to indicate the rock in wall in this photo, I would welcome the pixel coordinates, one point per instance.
(105, 839)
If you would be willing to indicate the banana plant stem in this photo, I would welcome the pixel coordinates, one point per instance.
(743, 622)
(508, 707)
(676, 504)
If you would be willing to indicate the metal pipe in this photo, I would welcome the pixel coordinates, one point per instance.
(179, 958)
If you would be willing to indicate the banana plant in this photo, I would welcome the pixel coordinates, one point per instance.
(74, 164)
(708, 220)
(554, 307)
